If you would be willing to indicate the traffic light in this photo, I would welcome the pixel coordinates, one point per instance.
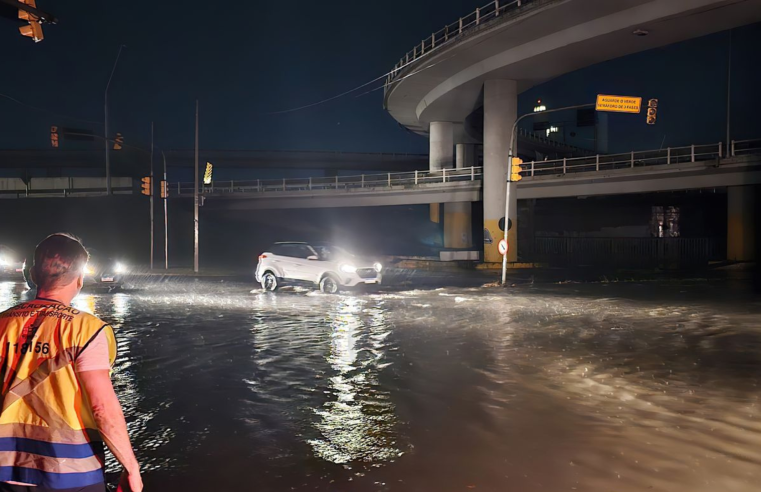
(164, 189)
(207, 174)
(34, 29)
(147, 188)
(54, 136)
(652, 111)
(118, 141)
(515, 169)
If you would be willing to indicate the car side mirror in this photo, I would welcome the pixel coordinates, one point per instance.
(312, 258)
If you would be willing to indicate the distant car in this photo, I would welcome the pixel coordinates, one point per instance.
(104, 271)
(100, 272)
(11, 265)
(324, 265)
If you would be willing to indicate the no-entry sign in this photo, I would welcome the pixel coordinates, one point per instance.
(503, 247)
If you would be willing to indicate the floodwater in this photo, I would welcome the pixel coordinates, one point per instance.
(623, 387)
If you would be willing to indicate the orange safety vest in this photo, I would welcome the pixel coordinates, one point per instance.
(48, 435)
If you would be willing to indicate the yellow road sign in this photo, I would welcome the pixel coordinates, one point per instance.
(618, 104)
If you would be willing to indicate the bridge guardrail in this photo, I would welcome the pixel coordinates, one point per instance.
(554, 167)
(450, 32)
(667, 156)
(366, 181)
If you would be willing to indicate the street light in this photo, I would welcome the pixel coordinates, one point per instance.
(105, 110)
(510, 154)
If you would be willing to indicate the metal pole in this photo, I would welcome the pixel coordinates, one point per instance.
(166, 218)
(510, 154)
(729, 89)
(195, 201)
(153, 189)
(105, 121)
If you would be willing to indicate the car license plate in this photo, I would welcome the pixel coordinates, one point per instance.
(106, 279)
(371, 281)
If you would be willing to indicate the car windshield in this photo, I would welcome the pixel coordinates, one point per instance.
(328, 252)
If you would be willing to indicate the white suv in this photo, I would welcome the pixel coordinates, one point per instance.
(325, 265)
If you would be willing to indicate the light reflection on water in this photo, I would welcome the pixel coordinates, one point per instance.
(532, 389)
(358, 421)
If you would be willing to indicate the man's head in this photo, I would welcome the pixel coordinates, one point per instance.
(59, 264)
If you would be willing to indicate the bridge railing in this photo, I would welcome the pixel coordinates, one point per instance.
(366, 181)
(481, 15)
(607, 162)
(745, 147)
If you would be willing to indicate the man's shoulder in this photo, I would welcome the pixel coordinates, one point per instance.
(14, 310)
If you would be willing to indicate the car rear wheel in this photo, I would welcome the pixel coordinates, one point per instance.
(269, 282)
(329, 285)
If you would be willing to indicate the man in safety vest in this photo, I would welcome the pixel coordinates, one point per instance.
(58, 405)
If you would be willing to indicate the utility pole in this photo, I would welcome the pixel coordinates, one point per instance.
(510, 154)
(195, 201)
(153, 189)
(166, 219)
(105, 111)
(729, 93)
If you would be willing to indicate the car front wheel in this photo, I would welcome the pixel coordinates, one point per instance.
(269, 282)
(329, 285)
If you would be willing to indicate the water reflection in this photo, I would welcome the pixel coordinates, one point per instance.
(358, 422)
(9, 294)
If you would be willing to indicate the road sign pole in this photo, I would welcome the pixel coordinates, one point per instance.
(195, 202)
(510, 154)
(153, 192)
(166, 217)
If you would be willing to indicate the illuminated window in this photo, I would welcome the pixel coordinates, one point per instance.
(552, 129)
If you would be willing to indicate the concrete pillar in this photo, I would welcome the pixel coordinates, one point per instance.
(500, 112)
(458, 217)
(465, 155)
(440, 155)
(741, 223)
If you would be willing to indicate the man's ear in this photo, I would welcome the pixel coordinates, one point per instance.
(80, 281)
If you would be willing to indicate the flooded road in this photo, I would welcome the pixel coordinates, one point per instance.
(543, 387)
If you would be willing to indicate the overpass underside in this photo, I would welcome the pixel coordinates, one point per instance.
(460, 85)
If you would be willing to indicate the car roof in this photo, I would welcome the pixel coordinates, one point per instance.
(290, 242)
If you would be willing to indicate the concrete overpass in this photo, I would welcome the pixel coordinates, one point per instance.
(637, 172)
(485, 59)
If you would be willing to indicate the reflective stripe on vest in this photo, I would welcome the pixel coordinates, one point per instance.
(48, 435)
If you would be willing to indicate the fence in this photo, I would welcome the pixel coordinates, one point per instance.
(490, 11)
(367, 181)
(625, 251)
(659, 157)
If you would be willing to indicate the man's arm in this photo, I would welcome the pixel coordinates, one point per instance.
(110, 420)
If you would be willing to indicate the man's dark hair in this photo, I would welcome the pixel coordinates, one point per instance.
(58, 260)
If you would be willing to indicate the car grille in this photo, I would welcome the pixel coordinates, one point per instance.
(366, 272)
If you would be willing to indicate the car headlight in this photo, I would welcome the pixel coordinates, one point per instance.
(346, 268)
(4, 261)
(89, 270)
(378, 267)
(120, 267)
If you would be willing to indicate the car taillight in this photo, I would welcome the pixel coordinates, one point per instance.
(261, 257)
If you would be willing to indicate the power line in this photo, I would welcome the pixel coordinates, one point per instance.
(395, 70)
(44, 110)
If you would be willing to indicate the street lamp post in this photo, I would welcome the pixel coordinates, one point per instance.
(105, 111)
(510, 154)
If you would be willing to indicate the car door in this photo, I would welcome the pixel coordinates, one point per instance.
(299, 267)
(313, 268)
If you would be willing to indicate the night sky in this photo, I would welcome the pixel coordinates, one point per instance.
(252, 58)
